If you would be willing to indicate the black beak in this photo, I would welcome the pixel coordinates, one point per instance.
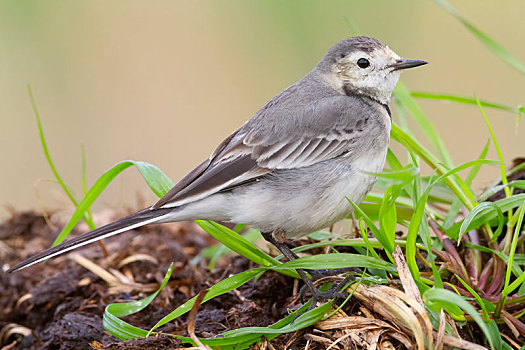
(404, 64)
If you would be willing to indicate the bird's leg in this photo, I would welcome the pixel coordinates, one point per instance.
(317, 295)
(287, 252)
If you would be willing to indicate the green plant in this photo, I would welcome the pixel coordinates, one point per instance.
(466, 259)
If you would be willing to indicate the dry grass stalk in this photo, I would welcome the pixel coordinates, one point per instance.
(192, 317)
(118, 282)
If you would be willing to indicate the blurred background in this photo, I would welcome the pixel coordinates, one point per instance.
(166, 81)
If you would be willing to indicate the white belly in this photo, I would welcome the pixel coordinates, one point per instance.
(309, 201)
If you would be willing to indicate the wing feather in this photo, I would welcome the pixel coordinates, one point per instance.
(255, 150)
(311, 147)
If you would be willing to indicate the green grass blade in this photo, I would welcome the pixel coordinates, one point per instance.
(214, 252)
(479, 300)
(388, 216)
(364, 234)
(57, 176)
(483, 207)
(484, 38)
(65, 188)
(380, 235)
(419, 224)
(392, 160)
(466, 189)
(417, 219)
(84, 186)
(244, 337)
(467, 100)
(403, 175)
(456, 204)
(516, 283)
(353, 242)
(437, 298)
(517, 230)
(219, 288)
(154, 177)
(336, 261)
(516, 269)
(122, 330)
(506, 288)
(243, 341)
(492, 190)
(487, 216)
(305, 320)
(498, 149)
(412, 233)
(519, 259)
(402, 94)
(238, 243)
(372, 210)
(234, 339)
(414, 146)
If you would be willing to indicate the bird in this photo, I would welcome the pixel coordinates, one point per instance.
(292, 168)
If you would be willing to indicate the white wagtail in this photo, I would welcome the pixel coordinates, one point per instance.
(289, 170)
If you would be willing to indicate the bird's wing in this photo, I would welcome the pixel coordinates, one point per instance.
(214, 174)
(316, 132)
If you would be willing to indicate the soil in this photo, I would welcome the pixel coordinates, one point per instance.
(60, 304)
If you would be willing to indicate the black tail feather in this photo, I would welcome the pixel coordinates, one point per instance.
(137, 219)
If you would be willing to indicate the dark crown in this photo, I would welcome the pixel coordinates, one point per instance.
(357, 43)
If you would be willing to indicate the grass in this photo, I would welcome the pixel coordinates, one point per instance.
(465, 253)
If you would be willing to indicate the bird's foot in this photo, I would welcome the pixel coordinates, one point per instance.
(335, 291)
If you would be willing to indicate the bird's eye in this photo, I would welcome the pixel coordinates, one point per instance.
(363, 63)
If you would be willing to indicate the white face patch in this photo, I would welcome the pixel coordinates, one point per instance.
(376, 80)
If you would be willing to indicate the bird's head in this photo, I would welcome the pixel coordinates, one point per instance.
(364, 66)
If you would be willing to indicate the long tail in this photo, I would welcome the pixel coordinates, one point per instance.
(140, 218)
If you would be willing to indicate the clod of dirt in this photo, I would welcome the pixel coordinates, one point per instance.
(71, 331)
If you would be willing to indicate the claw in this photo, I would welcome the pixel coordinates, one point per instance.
(333, 293)
(317, 295)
